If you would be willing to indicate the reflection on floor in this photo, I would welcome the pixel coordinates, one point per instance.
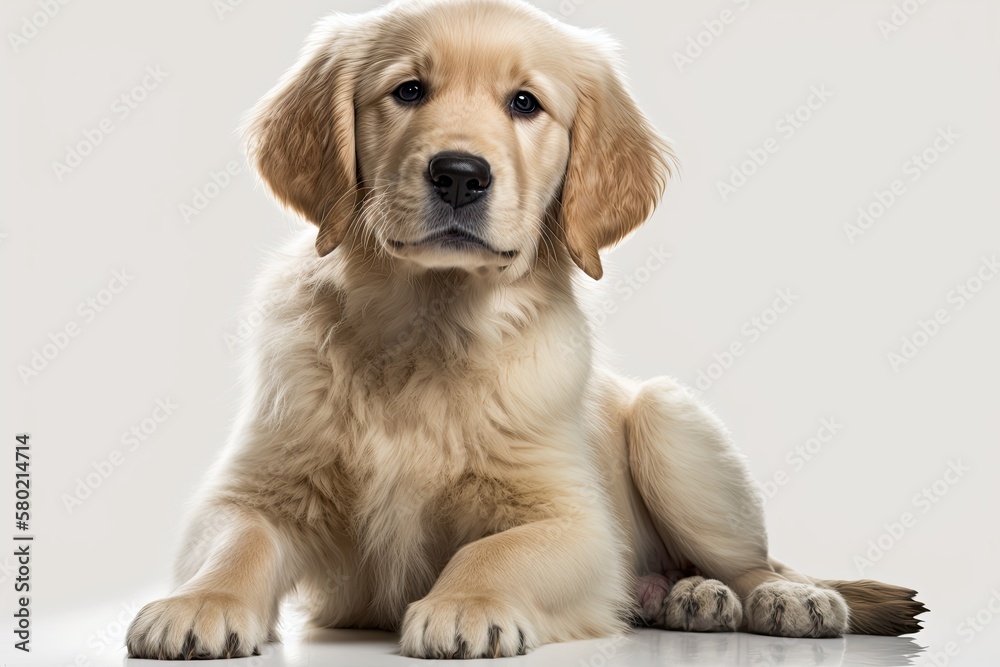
(643, 647)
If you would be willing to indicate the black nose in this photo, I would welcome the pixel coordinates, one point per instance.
(459, 178)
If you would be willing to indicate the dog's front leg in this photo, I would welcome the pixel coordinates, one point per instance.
(229, 606)
(546, 581)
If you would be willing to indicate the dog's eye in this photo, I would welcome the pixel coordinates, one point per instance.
(409, 92)
(524, 103)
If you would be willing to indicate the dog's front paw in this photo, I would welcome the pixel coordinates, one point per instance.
(788, 609)
(196, 626)
(697, 604)
(464, 627)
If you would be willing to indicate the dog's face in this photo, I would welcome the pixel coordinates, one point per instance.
(460, 134)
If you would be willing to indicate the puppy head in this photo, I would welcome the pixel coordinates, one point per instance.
(460, 134)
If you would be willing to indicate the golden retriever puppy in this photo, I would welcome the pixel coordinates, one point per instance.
(428, 443)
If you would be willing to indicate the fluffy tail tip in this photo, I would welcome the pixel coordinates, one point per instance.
(880, 609)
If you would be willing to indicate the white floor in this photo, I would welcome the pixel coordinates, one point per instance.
(645, 647)
(94, 638)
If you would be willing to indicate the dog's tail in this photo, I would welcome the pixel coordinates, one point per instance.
(877, 608)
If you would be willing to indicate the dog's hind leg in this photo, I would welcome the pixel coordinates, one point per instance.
(705, 506)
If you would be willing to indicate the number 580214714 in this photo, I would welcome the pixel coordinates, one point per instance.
(22, 483)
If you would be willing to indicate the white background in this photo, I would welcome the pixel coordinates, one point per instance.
(164, 335)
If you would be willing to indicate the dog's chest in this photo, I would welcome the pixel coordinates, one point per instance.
(425, 445)
(428, 476)
(396, 432)
(430, 443)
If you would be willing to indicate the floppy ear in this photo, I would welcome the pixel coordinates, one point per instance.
(300, 136)
(618, 168)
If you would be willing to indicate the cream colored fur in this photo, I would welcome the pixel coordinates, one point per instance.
(428, 442)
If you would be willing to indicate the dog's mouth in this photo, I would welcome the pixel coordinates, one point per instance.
(455, 238)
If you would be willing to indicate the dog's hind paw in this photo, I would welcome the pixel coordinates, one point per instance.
(701, 605)
(788, 609)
